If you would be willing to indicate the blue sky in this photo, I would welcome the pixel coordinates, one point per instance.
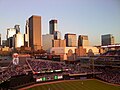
(89, 17)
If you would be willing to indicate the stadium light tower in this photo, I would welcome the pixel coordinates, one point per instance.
(93, 66)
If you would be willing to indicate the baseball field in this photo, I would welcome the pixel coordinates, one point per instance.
(75, 85)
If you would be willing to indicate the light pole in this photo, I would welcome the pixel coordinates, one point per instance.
(93, 66)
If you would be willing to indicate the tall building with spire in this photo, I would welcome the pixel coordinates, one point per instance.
(35, 32)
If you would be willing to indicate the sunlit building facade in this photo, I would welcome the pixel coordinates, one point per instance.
(26, 35)
(47, 42)
(35, 32)
(59, 43)
(71, 40)
(11, 32)
(18, 40)
(83, 40)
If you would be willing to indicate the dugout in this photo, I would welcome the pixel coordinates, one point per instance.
(77, 76)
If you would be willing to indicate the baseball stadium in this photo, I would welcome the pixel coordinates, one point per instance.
(35, 73)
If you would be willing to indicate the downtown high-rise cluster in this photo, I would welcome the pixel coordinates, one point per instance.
(33, 39)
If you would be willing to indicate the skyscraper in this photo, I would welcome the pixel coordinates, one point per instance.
(53, 26)
(18, 40)
(35, 32)
(57, 35)
(4, 43)
(10, 33)
(17, 27)
(83, 40)
(47, 42)
(26, 35)
(107, 39)
(70, 40)
(0, 39)
(59, 43)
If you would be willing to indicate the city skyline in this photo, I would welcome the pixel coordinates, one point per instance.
(82, 17)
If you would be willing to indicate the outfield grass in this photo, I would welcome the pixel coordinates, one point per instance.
(77, 85)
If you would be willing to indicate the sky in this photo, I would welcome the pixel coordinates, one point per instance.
(82, 17)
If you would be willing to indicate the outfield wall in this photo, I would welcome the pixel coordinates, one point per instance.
(26, 80)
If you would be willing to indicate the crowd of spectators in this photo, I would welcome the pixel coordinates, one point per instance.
(111, 75)
(37, 65)
(112, 53)
(13, 70)
(45, 65)
(110, 58)
(77, 69)
(42, 68)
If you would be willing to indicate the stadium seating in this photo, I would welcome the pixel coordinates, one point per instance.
(111, 75)
(42, 68)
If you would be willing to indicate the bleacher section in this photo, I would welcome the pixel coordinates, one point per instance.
(14, 70)
(109, 64)
(105, 67)
(109, 74)
(110, 58)
(111, 53)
